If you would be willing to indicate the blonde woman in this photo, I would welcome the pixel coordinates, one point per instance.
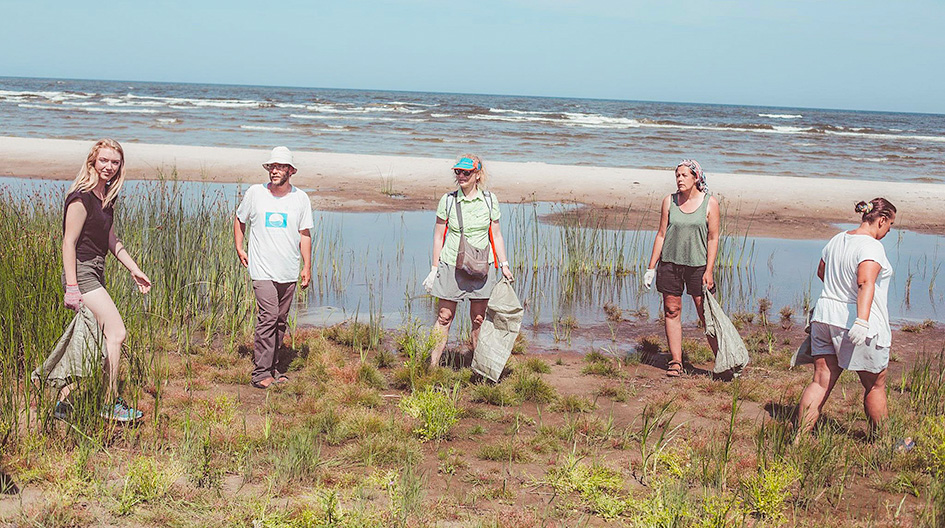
(468, 249)
(88, 235)
(684, 252)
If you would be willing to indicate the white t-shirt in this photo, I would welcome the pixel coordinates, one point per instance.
(837, 303)
(274, 238)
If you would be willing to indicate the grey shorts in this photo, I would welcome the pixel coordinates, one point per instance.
(454, 285)
(827, 339)
(90, 274)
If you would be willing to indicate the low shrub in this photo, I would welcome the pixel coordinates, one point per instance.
(435, 408)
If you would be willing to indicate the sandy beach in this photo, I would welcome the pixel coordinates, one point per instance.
(776, 206)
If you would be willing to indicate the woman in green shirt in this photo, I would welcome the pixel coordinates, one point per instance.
(684, 253)
(472, 214)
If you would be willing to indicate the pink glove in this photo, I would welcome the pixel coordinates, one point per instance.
(73, 297)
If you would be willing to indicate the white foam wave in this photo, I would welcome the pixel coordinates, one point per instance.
(168, 120)
(512, 118)
(54, 97)
(516, 112)
(346, 117)
(266, 128)
(875, 160)
(107, 110)
(95, 109)
(781, 116)
(441, 115)
(599, 121)
(39, 106)
(403, 103)
(937, 139)
(787, 129)
(184, 102)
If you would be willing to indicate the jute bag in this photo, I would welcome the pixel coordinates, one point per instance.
(499, 329)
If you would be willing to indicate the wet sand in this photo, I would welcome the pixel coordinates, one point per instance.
(765, 205)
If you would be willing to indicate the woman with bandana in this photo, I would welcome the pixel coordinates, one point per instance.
(684, 253)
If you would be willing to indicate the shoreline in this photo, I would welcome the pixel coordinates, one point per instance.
(798, 208)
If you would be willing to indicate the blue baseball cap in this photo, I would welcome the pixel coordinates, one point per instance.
(467, 164)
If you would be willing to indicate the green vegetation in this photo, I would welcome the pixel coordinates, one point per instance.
(366, 429)
(435, 409)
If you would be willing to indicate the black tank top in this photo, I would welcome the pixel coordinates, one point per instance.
(93, 239)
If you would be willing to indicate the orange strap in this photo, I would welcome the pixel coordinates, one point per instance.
(495, 256)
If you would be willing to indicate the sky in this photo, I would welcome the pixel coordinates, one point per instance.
(847, 54)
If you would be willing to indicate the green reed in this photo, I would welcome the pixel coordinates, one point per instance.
(181, 239)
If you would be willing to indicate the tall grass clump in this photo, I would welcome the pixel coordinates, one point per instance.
(181, 236)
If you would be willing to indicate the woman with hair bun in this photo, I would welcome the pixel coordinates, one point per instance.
(849, 328)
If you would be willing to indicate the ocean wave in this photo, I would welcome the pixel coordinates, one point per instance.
(518, 112)
(266, 128)
(937, 139)
(169, 120)
(348, 117)
(91, 109)
(179, 102)
(599, 121)
(781, 116)
(404, 103)
(107, 110)
(53, 97)
(441, 115)
(874, 160)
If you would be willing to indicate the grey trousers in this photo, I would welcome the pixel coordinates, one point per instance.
(273, 300)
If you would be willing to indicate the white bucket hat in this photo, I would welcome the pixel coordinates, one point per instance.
(280, 155)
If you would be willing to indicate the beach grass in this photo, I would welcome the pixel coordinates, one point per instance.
(368, 434)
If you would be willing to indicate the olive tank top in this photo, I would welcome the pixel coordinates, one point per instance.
(687, 235)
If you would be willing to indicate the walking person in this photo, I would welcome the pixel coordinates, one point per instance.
(88, 236)
(280, 219)
(468, 250)
(684, 254)
(849, 327)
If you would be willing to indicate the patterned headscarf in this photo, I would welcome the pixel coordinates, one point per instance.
(697, 170)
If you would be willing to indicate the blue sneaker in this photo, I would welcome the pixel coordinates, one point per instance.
(62, 411)
(120, 412)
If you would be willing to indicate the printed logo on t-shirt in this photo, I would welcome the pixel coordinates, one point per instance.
(277, 220)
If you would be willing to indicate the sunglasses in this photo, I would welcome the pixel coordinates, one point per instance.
(277, 166)
(462, 172)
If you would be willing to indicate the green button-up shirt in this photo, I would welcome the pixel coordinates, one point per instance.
(475, 223)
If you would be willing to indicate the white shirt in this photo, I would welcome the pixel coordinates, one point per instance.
(274, 238)
(837, 303)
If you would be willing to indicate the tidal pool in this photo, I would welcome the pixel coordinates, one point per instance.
(368, 266)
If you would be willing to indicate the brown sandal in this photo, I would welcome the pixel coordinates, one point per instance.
(674, 369)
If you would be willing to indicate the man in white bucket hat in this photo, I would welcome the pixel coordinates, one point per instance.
(280, 219)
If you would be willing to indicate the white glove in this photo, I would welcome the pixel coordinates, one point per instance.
(648, 279)
(857, 332)
(428, 282)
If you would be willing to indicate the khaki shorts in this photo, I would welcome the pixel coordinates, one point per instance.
(89, 274)
(827, 339)
(454, 285)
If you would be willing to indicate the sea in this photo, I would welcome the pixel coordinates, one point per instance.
(806, 142)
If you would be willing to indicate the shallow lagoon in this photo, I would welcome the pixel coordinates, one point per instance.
(369, 266)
